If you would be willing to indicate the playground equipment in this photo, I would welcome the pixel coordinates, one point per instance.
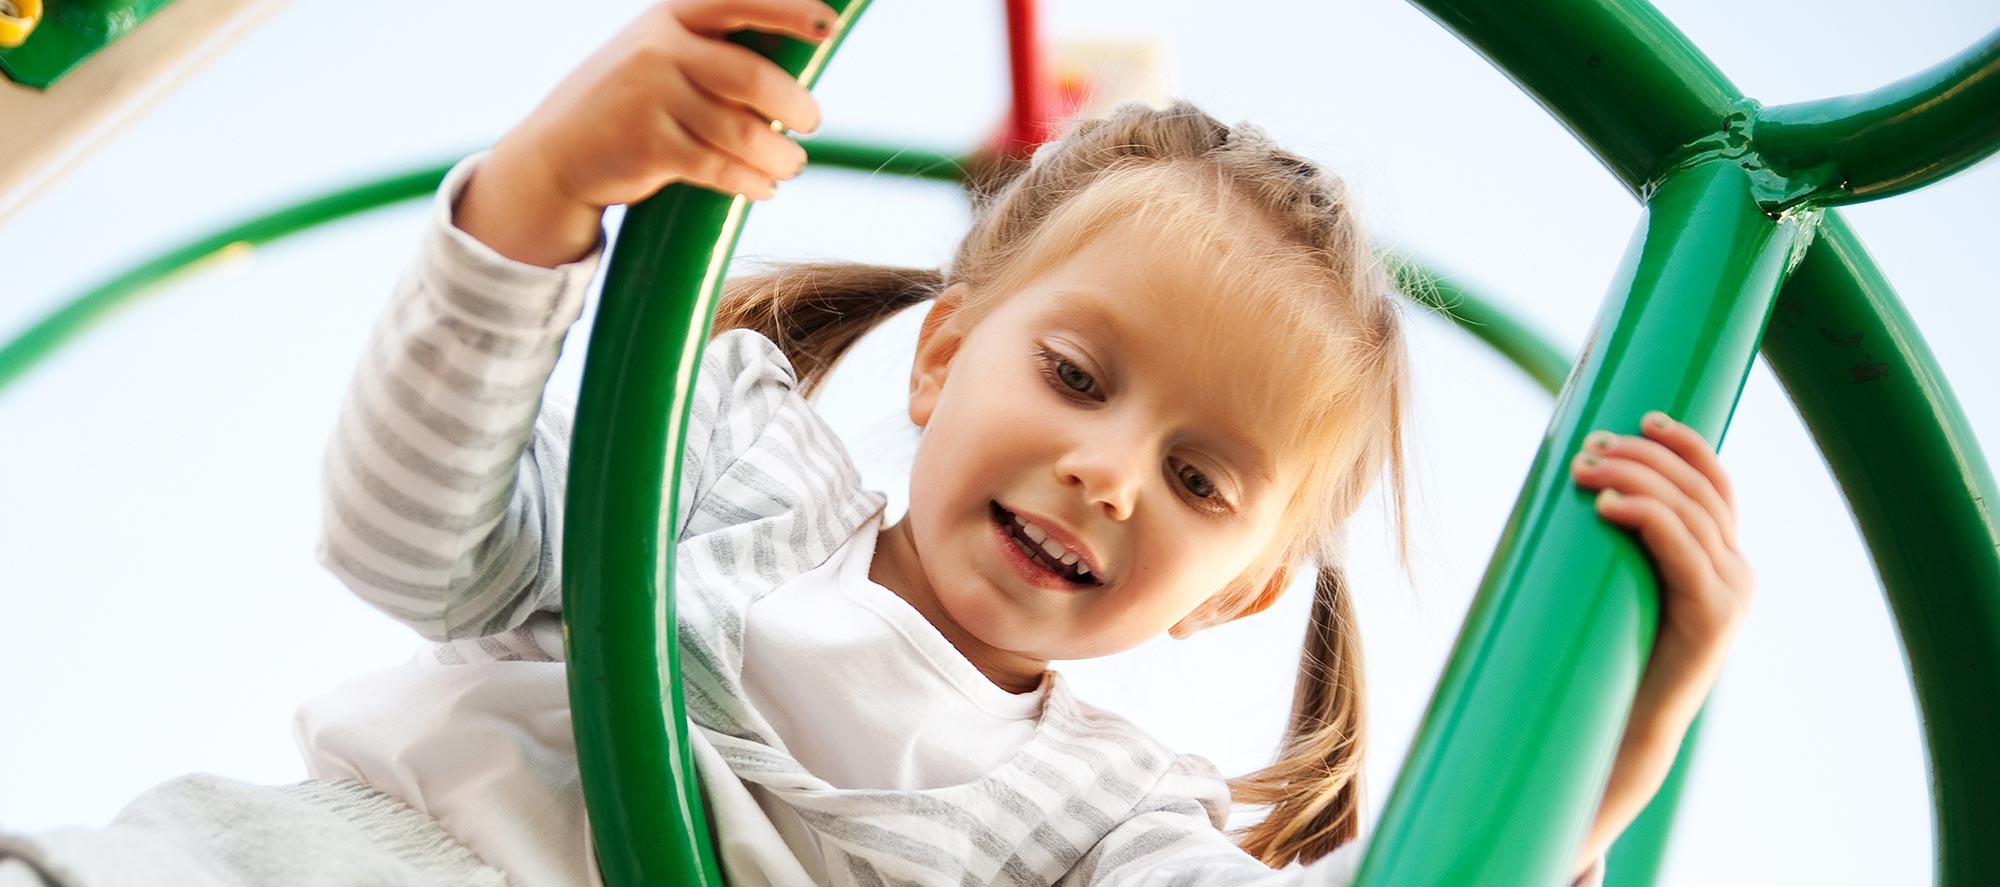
(1739, 249)
(1738, 222)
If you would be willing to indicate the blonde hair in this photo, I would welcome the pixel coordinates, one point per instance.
(1197, 180)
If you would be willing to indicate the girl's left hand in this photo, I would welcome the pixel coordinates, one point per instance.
(1668, 486)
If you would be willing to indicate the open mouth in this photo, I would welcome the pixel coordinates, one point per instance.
(1073, 575)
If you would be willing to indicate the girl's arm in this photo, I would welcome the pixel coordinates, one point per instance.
(443, 488)
(442, 485)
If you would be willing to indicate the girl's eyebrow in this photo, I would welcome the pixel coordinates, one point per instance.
(1087, 308)
(1255, 461)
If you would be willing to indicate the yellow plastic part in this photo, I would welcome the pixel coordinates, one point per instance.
(17, 20)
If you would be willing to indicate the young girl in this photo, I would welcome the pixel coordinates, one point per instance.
(1158, 377)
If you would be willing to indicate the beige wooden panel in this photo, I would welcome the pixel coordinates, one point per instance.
(44, 133)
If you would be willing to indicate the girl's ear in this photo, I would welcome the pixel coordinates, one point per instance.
(1217, 611)
(937, 343)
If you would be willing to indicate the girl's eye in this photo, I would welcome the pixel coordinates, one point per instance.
(1062, 371)
(1198, 483)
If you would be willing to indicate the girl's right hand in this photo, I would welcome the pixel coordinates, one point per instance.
(666, 100)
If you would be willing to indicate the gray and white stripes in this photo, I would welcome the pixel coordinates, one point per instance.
(432, 511)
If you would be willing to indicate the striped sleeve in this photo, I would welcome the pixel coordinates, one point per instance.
(442, 482)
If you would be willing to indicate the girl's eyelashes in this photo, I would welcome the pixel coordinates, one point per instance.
(1198, 485)
(1071, 380)
(1065, 374)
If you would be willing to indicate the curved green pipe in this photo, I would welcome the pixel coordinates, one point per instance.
(1621, 77)
(1896, 138)
(1922, 494)
(1554, 48)
(1487, 321)
(1634, 127)
(641, 789)
(71, 319)
(47, 335)
(915, 163)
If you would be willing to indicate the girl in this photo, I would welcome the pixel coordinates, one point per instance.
(1161, 372)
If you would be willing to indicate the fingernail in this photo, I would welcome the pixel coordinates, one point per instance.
(820, 25)
(1657, 419)
(1607, 495)
(1587, 460)
(1599, 440)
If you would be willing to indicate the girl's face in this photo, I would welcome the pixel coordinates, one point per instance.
(1108, 405)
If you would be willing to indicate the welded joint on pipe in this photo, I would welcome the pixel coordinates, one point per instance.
(1779, 185)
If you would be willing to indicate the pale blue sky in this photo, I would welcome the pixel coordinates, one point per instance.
(165, 613)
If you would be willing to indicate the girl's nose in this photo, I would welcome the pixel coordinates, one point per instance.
(1107, 471)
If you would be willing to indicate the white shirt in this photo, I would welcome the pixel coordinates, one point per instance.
(486, 747)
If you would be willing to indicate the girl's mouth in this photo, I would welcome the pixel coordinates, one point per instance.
(1030, 560)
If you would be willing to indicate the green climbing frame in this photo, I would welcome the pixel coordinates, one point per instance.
(1738, 251)
(1731, 237)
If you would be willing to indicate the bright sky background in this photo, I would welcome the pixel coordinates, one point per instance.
(164, 613)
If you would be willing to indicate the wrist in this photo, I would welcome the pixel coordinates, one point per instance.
(517, 209)
(1675, 686)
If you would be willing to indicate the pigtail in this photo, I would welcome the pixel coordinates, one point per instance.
(1314, 788)
(816, 311)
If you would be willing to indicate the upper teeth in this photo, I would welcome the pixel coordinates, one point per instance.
(1048, 543)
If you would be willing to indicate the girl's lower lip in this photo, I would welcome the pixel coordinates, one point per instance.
(1026, 567)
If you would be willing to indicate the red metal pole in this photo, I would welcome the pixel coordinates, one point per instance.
(1028, 124)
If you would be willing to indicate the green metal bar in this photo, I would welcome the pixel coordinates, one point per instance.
(1896, 138)
(641, 790)
(916, 163)
(99, 302)
(96, 304)
(1533, 701)
(1923, 496)
(1634, 860)
(1645, 127)
(1487, 321)
(1629, 84)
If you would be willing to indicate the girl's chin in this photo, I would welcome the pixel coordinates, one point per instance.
(995, 622)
